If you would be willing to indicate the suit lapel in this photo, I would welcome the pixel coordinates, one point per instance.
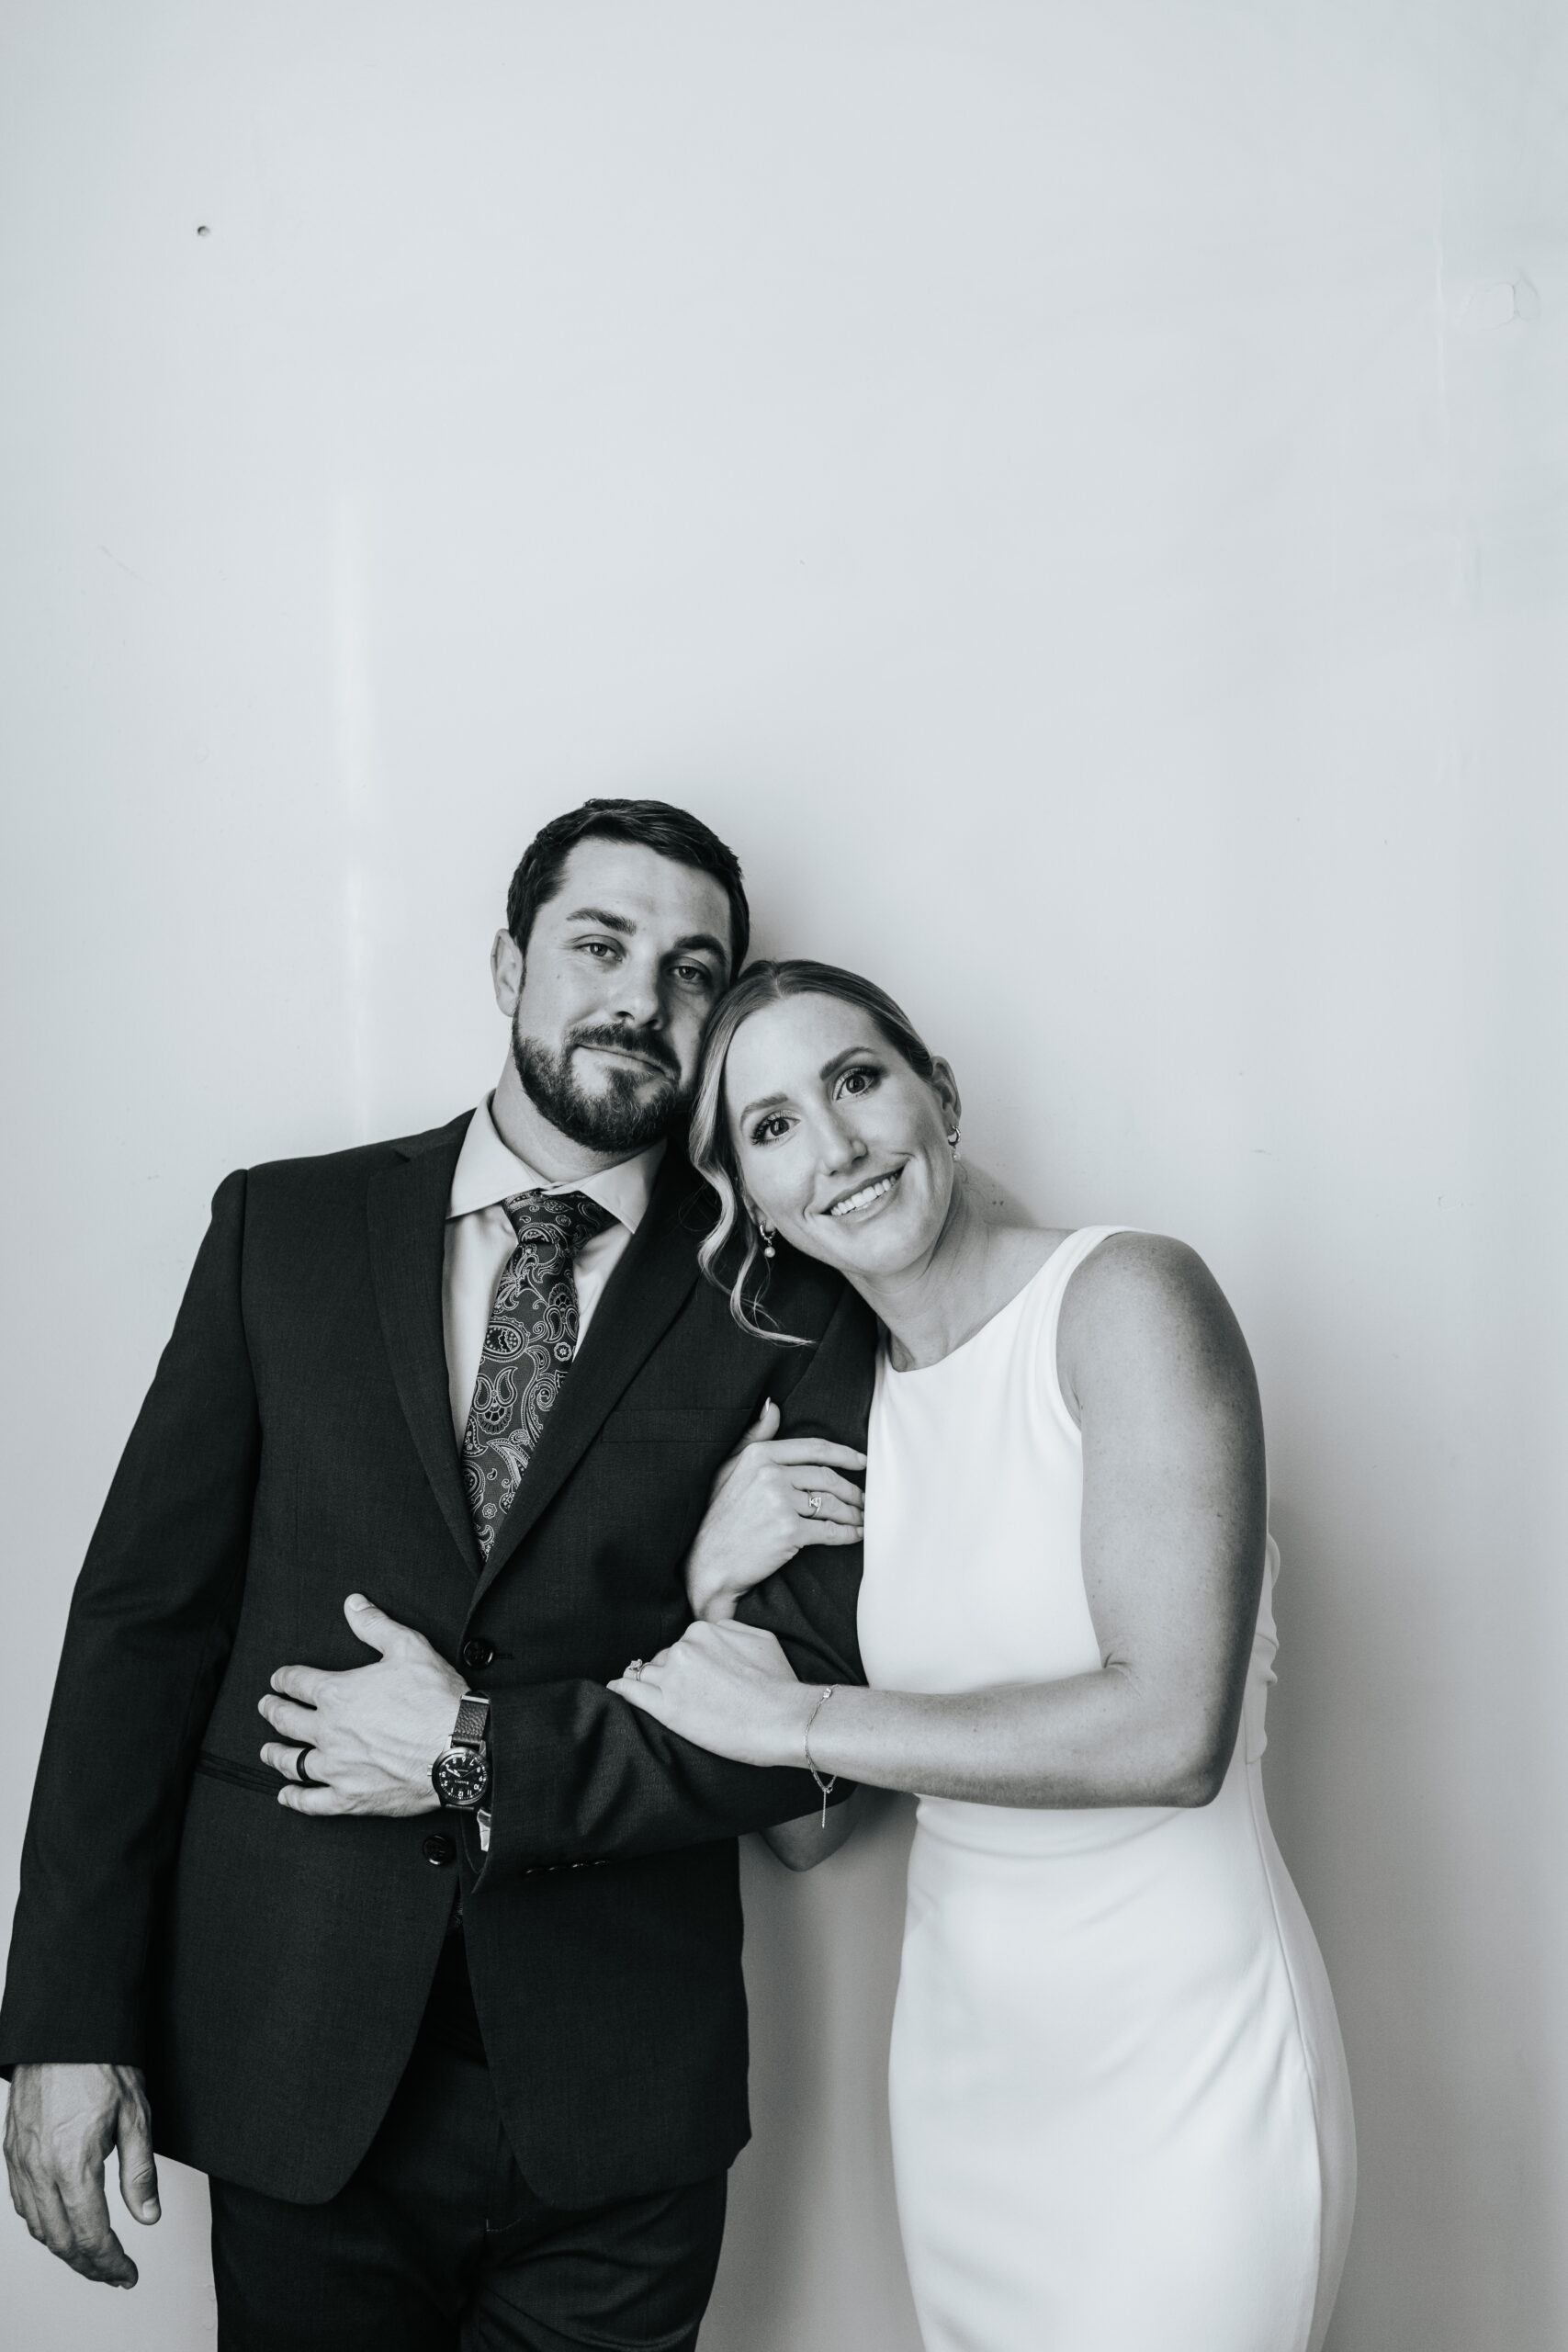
(406, 1211)
(642, 1298)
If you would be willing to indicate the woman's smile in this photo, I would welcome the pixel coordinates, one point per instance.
(865, 1198)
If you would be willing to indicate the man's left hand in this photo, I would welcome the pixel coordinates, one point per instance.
(374, 1732)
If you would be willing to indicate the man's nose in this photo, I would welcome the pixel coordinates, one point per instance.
(637, 1000)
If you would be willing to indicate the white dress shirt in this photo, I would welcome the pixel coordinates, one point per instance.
(479, 1240)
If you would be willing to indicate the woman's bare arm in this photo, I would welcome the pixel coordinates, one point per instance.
(801, 1845)
(1154, 1364)
(772, 1497)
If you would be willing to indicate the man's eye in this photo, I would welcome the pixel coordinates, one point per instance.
(695, 975)
(602, 948)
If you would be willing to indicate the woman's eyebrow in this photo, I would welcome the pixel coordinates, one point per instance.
(771, 1102)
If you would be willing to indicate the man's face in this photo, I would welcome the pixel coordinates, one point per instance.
(622, 967)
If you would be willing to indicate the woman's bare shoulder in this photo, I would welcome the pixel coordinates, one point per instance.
(1152, 1267)
(1145, 1307)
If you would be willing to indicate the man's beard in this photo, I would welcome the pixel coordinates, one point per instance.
(621, 1118)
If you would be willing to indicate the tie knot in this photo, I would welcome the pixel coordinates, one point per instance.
(562, 1220)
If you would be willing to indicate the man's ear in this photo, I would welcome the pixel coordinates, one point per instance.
(944, 1086)
(506, 971)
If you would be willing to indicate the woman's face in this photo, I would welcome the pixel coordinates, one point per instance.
(838, 1142)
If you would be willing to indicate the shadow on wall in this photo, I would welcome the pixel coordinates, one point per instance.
(812, 2254)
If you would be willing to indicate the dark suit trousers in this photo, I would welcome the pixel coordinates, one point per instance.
(438, 2244)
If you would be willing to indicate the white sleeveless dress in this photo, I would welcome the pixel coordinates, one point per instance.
(1121, 2116)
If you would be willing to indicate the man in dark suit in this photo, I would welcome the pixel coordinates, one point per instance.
(436, 1971)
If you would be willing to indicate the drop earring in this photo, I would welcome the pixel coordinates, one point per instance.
(766, 1230)
(952, 1137)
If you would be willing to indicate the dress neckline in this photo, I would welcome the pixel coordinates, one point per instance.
(989, 1324)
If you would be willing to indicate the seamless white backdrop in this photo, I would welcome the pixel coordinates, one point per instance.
(1077, 495)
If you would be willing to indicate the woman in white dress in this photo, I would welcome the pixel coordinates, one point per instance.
(1121, 2118)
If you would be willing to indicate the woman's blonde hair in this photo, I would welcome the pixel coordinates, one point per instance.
(711, 1150)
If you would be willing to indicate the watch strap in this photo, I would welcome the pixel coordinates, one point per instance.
(473, 1719)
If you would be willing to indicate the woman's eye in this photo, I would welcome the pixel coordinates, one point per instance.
(857, 1081)
(769, 1130)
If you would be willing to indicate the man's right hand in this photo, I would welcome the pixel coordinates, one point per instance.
(61, 2122)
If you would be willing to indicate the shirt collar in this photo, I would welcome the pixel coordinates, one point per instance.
(487, 1170)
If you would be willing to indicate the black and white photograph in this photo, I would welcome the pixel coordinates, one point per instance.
(784, 811)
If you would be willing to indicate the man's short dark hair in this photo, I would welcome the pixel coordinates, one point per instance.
(652, 824)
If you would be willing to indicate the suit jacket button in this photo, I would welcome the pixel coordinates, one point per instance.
(439, 1849)
(478, 1653)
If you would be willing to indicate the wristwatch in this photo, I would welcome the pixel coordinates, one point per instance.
(460, 1775)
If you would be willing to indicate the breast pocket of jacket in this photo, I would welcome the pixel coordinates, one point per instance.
(712, 1426)
(650, 1478)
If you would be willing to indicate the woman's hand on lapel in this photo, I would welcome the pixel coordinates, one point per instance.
(772, 1497)
(373, 1732)
(727, 1688)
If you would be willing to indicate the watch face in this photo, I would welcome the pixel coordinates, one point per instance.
(461, 1776)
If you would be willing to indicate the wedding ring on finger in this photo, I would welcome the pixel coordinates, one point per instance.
(635, 1669)
(813, 1504)
(306, 1779)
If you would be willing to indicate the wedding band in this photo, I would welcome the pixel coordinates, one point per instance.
(635, 1669)
(305, 1779)
(814, 1504)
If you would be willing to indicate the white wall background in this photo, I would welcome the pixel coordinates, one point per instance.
(1076, 493)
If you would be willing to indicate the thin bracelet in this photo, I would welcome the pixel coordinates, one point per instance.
(828, 1785)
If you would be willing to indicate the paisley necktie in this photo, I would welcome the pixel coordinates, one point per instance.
(530, 1340)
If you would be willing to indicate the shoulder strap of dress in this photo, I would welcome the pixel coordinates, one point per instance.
(1056, 1274)
(1069, 1255)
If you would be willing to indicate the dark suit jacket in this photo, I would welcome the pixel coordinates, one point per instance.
(271, 1970)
